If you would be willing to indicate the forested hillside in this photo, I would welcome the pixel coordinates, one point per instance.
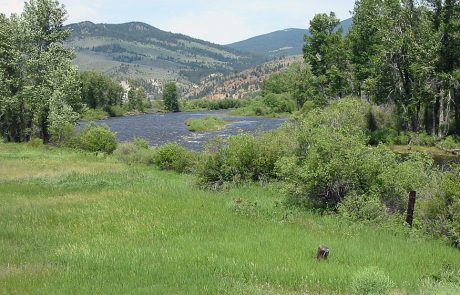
(138, 50)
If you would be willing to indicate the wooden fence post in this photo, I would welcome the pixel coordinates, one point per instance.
(410, 207)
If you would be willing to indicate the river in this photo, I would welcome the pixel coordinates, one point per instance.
(165, 128)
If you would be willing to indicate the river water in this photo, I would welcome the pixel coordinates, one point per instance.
(159, 129)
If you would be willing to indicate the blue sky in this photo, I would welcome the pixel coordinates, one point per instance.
(217, 21)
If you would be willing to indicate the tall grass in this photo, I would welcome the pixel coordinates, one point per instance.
(138, 230)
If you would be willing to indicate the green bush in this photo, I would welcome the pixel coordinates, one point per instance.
(333, 161)
(363, 208)
(441, 211)
(141, 143)
(116, 111)
(450, 142)
(135, 152)
(245, 157)
(422, 139)
(35, 142)
(174, 157)
(371, 281)
(97, 139)
(94, 114)
(65, 136)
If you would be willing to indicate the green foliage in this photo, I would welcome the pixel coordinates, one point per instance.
(116, 111)
(333, 162)
(171, 97)
(325, 51)
(371, 281)
(137, 99)
(94, 114)
(441, 210)
(207, 104)
(209, 123)
(99, 91)
(135, 152)
(174, 157)
(35, 142)
(37, 97)
(244, 158)
(450, 142)
(65, 136)
(363, 208)
(95, 138)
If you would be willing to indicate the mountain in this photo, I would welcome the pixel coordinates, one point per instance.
(280, 43)
(138, 50)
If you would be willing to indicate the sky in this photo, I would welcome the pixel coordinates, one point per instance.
(218, 21)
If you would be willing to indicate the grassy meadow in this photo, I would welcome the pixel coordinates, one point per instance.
(75, 223)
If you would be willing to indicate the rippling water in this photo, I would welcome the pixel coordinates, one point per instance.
(159, 129)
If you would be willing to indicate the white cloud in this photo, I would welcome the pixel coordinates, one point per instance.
(11, 6)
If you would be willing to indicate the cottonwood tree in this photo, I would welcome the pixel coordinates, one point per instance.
(46, 84)
(325, 51)
(171, 97)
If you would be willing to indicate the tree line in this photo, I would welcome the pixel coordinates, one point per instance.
(42, 93)
(400, 53)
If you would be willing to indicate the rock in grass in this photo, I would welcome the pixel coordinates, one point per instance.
(322, 253)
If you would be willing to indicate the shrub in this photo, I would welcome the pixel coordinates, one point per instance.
(245, 157)
(116, 111)
(333, 161)
(174, 157)
(450, 142)
(441, 211)
(65, 135)
(97, 139)
(94, 115)
(371, 281)
(422, 139)
(35, 142)
(363, 208)
(135, 152)
(141, 143)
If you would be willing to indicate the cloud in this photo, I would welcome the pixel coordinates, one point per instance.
(11, 6)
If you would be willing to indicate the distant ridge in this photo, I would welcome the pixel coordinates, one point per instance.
(279, 43)
(139, 50)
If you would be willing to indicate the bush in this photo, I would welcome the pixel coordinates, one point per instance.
(94, 115)
(245, 157)
(97, 139)
(371, 281)
(35, 142)
(441, 211)
(174, 157)
(116, 111)
(333, 161)
(450, 142)
(135, 152)
(65, 135)
(363, 208)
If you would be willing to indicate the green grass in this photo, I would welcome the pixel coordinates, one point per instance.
(208, 123)
(88, 225)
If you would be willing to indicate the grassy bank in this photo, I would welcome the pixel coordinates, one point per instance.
(81, 224)
(209, 123)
